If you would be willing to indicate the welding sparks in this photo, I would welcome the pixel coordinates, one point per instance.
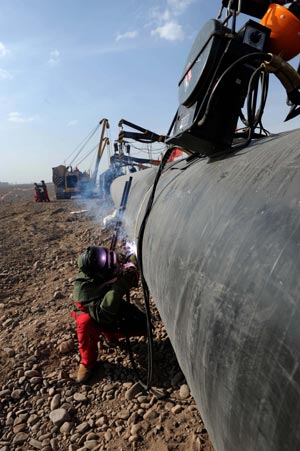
(130, 247)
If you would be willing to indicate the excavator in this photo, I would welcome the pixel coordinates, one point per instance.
(69, 182)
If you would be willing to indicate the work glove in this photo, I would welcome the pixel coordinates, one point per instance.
(131, 258)
(130, 272)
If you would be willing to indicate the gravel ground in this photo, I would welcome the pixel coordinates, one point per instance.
(41, 405)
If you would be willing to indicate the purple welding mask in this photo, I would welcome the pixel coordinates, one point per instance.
(100, 261)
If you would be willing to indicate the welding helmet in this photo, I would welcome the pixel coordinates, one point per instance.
(98, 260)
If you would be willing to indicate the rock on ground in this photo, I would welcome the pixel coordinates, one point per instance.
(41, 406)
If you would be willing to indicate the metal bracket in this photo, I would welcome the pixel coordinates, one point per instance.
(230, 10)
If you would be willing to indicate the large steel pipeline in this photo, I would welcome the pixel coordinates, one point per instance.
(221, 255)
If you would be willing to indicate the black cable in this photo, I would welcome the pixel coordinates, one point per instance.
(145, 287)
(252, 96)
(254, 119)
(255, 116)
(243, 59)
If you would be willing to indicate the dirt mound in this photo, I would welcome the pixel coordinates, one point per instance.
(41, 407)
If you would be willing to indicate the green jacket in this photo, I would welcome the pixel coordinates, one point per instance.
(100, 298)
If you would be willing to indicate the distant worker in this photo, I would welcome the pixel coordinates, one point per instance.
(102, 283)
(45, 192)
(38, 194)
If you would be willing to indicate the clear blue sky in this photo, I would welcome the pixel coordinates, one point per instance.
(66, 64)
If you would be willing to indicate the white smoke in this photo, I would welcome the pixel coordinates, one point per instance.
(130, 247)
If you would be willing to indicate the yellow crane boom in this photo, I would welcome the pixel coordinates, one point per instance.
(104, 141)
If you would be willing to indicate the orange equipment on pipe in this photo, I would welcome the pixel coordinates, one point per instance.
(285, 31)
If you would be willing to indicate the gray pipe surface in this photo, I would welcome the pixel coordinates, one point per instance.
(221, 255)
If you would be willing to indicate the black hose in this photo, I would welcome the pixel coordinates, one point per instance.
(242, 60)
(254, 117)
(146, 292)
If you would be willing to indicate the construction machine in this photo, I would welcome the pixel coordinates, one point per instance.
(69, 182)
(122, 161)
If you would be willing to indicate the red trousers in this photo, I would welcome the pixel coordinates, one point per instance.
(88, 333)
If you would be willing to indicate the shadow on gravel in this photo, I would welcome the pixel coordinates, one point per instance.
(115, 364)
